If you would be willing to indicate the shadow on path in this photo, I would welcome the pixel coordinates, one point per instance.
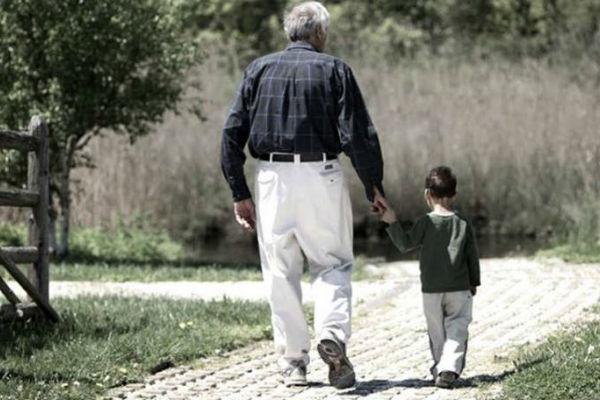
(366, 388)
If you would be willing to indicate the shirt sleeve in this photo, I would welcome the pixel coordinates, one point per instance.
(235, 135)
(358, 136)
(407, 240)
(472, 256)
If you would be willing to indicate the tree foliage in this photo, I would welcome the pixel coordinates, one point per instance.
(87, 66)
(400, 28)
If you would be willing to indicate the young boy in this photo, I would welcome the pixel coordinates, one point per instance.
(449, 266)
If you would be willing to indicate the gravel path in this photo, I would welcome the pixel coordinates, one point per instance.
(242, 290)
(520, 302)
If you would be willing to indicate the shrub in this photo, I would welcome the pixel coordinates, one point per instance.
(124, 244)
(12, 234)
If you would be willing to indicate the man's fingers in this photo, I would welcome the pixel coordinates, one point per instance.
(246, 223)
(382, 202)
(245, 214)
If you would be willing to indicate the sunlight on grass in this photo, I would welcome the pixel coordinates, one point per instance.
(565, 366)
(106, 342)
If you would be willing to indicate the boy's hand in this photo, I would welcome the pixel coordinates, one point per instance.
(473, 290)
(388, 216)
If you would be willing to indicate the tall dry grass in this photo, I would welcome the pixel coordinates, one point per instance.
(523, 139)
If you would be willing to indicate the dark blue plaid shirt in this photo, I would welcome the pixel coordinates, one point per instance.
(299, 101)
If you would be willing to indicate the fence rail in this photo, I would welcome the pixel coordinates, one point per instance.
(19, 198)
(35, 196)
(18, 141)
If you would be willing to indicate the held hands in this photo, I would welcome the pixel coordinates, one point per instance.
(381, 208)
(245, 214)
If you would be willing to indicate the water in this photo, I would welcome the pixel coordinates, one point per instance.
(381, 250)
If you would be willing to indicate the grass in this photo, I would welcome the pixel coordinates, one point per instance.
(106, 342)
(573, 253)
(565, 367)
(104, 272)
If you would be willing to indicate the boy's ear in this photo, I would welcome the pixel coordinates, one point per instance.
(427, 197)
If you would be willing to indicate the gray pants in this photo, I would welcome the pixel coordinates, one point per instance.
(448, 316)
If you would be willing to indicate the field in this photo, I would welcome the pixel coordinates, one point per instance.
(522, 138)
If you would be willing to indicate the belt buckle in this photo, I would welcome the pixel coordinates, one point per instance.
(276, 153)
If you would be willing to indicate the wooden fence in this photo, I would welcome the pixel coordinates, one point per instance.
(36, 197)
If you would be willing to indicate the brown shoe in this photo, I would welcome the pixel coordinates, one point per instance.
(341, 372)
(446, 379)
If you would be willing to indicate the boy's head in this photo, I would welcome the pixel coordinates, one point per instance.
(441, 183)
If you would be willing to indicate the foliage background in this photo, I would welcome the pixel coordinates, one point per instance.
(504, 91)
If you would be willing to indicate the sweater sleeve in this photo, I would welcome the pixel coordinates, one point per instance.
(472, 256)
(407, 240)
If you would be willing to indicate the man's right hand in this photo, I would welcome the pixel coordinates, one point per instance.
(245, 214)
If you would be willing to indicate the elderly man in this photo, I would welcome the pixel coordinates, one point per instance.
(297, 110)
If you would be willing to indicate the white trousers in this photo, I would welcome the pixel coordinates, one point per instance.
(448, 316)
(304, 208)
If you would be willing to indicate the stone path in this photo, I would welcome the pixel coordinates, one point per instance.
(243, 290)
(520, 302)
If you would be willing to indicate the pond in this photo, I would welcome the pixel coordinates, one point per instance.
(247, 252)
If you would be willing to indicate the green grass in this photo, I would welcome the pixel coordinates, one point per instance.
(106, 342)
(573, 253)
(565, 367)
(104, 272)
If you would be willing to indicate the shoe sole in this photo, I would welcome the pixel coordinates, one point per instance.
(296, 383)
(341, 372)
(444, 384)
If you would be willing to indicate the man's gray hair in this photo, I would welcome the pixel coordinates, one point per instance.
(302, 22)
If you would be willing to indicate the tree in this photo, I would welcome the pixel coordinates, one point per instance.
(87, 66)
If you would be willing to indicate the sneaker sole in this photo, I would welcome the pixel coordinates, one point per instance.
(296, 383)
(341, 373)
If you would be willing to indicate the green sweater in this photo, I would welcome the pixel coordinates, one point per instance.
(449, 260)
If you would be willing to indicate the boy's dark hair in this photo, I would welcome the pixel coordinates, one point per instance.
(441, 182)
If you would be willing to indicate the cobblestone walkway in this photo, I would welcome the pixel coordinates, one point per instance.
(520, 302)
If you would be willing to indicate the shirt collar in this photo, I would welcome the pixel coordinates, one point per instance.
(301, 45)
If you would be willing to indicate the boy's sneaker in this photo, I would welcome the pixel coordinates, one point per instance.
(445, 379)
(294, 374)
(341, 372)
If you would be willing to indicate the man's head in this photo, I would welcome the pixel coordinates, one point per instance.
(307, 22)
(440, 186)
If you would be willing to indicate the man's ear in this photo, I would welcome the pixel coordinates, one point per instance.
(321, 36)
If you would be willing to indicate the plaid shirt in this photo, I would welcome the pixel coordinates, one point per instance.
(299, 101)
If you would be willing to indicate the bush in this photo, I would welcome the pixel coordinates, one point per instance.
(12, 234)
(124, 244)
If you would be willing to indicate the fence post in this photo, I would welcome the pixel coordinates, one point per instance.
(37, 180)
